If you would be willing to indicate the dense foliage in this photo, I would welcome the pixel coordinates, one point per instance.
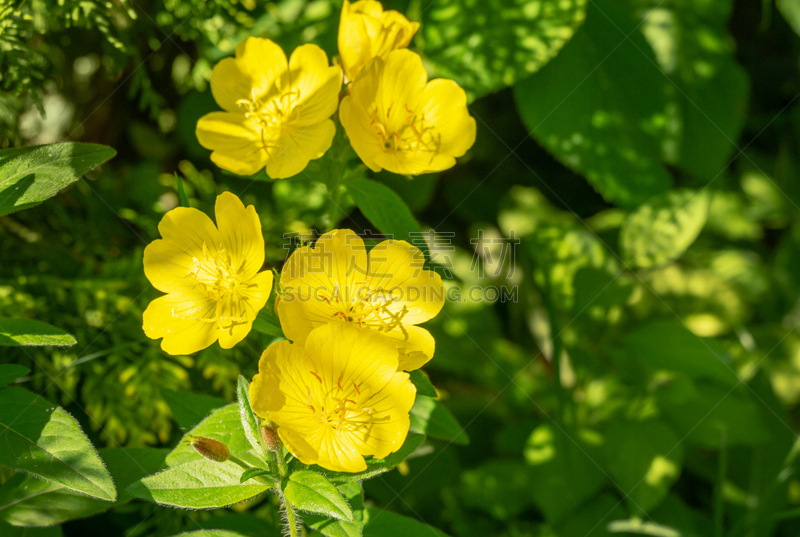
(620, 348)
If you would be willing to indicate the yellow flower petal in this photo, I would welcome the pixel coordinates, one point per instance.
(211, 276)
(240, 232)
(318, 278)
(297, 146)
(336, 399)
(317, 84)
(398, 268)
(234, 140)
(367, 32)
(181, 319)
(397, 121)
(415, 346)
(277, 112)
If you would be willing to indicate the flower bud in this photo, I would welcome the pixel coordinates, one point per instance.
(211, 449)
(269, 435)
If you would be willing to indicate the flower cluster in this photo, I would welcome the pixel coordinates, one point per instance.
(337, 390)
(277, 113)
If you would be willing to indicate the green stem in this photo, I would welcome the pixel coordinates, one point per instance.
(719, 500)
(291, 519)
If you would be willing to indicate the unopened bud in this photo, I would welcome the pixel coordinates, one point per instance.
(269, 435)
(211, 449)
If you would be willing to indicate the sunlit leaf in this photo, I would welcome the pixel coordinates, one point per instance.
(26, 332)
(312, 492)
(224, 425)
(488, 45)
(248, 418)
(27, 501)
(342, 528)
(41, 439)
(660, 230)
(600, 107)
(30, 175)
(200, 484)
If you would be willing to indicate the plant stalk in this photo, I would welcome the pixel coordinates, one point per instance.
(291, 518)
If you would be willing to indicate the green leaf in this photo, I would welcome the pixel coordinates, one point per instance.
(431, 418)
(486, 46)
(708, 88)
(224, 425)
(248, 525)
(354, 495)
(498, 487)
(27, 332)
(423, 385)
(592, 517)
(382, 523)
(30, 175)
(564, 470)
(669, 345)
(645, 459)
(659, 231)
(267, 321)
(252, 473)
(638, 526)
(181, 192)
(189, 408)
(11, 372)
(41, 439)
(600, 107)
(200, 484)
(379, 466)
(248, 418)
(790, 9)
(383, 208)
(312, 492)
(708, 412)
(210, 533)
(32, 502)
(14, 531)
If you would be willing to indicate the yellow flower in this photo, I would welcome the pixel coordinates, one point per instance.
(387, 291)
(366, 32)
(397, 120)
(337, 399)
(214, 290)
(276, 114)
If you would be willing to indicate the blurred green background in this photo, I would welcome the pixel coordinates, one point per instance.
(648, 164)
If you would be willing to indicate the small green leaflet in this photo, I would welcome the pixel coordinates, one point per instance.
(342, 528)
(249, 420)
(252, 473)
(312, 492)
(430, 417)
(41, 439)
(11, 372)
(383, 208)
(30, 175)
(421, 382)
(181, 192)
(199, 484)
(26, 332)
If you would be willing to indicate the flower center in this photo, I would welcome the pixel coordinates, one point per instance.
(369, 308)
(337, 409)
(272, 112)
(217, 276)
(411, 135)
